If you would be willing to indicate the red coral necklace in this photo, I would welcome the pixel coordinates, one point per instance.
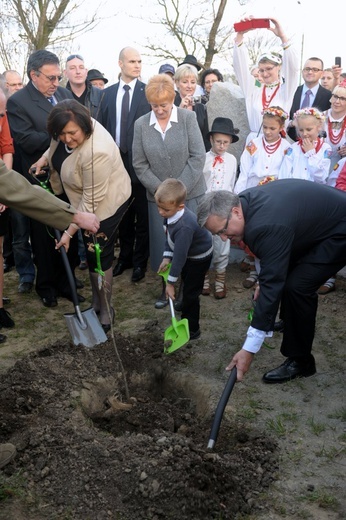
(335, 139)
(271, 148)
(265, 103)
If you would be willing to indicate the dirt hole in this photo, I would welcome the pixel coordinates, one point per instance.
(83, 455)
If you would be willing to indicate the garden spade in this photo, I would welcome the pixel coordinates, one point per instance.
(178, 334)
(84, 326)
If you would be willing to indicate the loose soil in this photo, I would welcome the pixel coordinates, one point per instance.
(86, 452)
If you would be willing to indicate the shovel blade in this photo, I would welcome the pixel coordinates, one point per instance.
(176, 336)
(86, 331)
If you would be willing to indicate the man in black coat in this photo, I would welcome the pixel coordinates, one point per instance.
(297, 229)
(28, 111)
(134, 227)
(318, 96)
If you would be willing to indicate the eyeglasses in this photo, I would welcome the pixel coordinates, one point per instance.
(222, 143)
(338, 98)
(312, 69)
(73, 56)
(50, 78)
(224, 230)
(268, 69)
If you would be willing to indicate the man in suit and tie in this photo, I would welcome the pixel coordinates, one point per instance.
(122, 104)
(297, 229)
(28, 111)
(310, 94)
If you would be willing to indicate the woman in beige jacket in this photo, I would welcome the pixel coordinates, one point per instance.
(85, 163)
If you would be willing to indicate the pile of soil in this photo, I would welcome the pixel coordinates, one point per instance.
(86, 452)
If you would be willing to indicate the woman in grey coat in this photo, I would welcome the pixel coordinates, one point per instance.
(167, 144)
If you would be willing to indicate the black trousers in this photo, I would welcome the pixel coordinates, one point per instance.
(51, 277)
(134, 229)
(300, 301)
(192, 275)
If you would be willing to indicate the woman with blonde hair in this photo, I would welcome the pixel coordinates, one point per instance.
(167, 144)
(186, 81)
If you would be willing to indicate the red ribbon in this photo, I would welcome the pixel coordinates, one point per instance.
(218, 159)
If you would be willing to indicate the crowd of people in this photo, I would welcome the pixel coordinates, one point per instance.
(145, 161)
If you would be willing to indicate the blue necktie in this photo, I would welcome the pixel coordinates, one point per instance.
(306, 100)
(125, 108)
(51, 100)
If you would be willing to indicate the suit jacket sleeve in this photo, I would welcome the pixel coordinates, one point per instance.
(34, 201)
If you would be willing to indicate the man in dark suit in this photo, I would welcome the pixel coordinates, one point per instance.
(297, 229)
(310, 94)
(134, 227)
(28, 111)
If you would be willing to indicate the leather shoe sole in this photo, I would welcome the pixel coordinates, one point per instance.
(290, 369)
(138, 274)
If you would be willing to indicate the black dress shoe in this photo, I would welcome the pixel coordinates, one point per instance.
(138, 274)
(6, 301)
(79, 284)
(291, 369)
(120, 268)
(8, 267)
(279, 326)
(195, 335)
(2, 338)
(49, 301)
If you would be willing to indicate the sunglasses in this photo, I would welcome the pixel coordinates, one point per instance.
(73, 56)
(50, 78)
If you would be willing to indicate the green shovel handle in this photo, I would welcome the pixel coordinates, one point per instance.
(165, 273)
(98, 260)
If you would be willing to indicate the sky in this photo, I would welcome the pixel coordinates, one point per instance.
(315, 31)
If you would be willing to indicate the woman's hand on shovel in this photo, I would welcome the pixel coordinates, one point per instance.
(64, 241)
(170, 291)
(242, 360)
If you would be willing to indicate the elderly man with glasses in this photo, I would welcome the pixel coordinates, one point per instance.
(297, 229)
(28, 111)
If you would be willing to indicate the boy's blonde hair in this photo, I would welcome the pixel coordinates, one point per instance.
(171, 191)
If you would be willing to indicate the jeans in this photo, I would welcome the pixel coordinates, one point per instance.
(21, 247)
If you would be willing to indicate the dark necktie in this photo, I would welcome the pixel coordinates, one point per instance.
(51, 100)
(125, 107)
(306, 100)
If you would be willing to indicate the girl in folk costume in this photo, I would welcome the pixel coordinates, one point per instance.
(309, 157)
(220, 171)
(335, 128)
(260, 163)
(272, 91)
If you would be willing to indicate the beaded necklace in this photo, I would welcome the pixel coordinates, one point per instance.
(272, 147)
(265, 103)
(335, 139)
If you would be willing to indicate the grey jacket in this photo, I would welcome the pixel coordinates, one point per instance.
(181, 155)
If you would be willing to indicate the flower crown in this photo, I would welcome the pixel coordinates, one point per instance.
(309, 111)
(275, 111)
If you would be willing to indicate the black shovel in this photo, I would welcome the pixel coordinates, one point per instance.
(221, 406)
(84, 326)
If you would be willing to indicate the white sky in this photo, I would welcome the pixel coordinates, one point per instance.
(321, 30)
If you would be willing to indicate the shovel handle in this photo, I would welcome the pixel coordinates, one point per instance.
(68, 270)
(221, 406)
